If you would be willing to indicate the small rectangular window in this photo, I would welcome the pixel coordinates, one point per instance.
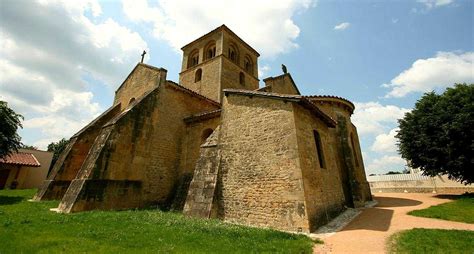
(319, 149)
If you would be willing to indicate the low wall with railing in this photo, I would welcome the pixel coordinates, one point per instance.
(416, 183)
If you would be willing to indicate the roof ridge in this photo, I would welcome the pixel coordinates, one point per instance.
(198, 116)
(134, 68)
(193, 92)
(281, 77)
(223, 26)
(255, 92)
(330, 96)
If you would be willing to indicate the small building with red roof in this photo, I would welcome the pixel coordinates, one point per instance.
(24, 169)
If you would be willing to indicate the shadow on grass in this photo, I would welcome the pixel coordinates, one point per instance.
(454, 197)
(9, 200)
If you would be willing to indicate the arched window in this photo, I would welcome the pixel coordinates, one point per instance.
(248, 66)
(198, 75)
(205, 134)
(131, 101)
(233, 54)
(193, 58)
(210, 51)
(242, 78)
(354, 150)
(319, 149)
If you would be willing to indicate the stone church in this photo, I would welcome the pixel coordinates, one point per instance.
(216, 145)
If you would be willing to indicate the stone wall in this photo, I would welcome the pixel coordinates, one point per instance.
(71, 159)
(243, 51)
(230, 76)
(260, 181)
(417, 183)
(219, 72)
(140, 154)
(359, 165)
(200, 198)
(349, 159)
(192, 141)
(209, 85)
(282, 84)
(200, 46)
(322, 186)
(33, 177)
(141, 80)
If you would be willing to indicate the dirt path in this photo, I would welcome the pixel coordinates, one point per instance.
(369, 231)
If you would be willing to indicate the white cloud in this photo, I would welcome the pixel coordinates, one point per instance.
(266, 25)
(385, 142)
(386, 163)
(441, 71)
(375, 118)
(342, 26)
(435, 3)
(46, 48)
(263, 71)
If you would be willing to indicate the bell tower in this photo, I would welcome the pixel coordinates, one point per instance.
(218, 60)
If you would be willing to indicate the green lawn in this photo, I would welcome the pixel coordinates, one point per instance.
(27, 227)
(461, 209)
(421, 240)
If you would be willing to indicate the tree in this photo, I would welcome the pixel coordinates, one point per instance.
(57, 148)
(29, 147)
(9, 124)
(393, 173)
(437, 136)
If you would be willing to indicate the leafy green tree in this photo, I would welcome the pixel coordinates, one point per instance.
(10, 121)
(29, 147)
(57, 148)
(437, 136)
(393, 173)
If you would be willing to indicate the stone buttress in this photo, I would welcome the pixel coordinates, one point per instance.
(70, 160)
(134, 161)
(201, 194)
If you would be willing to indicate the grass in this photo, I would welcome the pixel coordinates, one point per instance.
(461, 209)
(421, 240)
(27, 227)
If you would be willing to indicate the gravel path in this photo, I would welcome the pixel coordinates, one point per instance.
(369, 232)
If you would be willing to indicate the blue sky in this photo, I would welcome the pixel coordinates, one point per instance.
(60, 61)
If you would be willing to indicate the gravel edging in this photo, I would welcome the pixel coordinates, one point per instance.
(339, 222)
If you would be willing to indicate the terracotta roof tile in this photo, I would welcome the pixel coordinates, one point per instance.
(203, 116)
(330, 96)
(23, 159)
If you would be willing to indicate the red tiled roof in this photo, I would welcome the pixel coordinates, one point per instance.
(23, 159)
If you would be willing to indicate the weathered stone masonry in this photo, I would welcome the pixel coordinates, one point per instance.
(216, 145)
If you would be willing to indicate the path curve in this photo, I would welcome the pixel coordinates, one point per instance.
(369, 231)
